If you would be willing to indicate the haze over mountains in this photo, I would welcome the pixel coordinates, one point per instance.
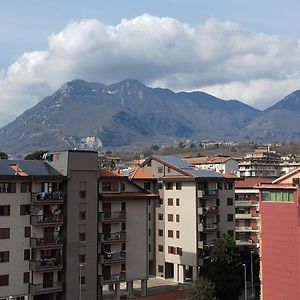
(91, 115)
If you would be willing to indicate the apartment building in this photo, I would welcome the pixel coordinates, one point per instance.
(31, 230)
(123, 233)
(221, 164)
(195, 206)
(247, 210)
(280, 237)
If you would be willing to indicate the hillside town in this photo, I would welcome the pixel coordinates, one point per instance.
(76, 222)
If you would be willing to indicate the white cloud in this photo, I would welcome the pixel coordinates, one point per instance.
(219, 57)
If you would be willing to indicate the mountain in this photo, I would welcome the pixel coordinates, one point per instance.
(91, 115)
(279, 122)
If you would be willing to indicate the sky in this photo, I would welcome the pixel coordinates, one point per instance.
(233, 49)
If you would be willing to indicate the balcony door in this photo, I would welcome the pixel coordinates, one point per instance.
(48, 279)
(106, 270)
(49, 233)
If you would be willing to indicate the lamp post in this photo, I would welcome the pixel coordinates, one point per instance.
(252, 282)
(245, 279)
(80, 266)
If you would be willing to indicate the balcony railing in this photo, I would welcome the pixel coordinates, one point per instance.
(210, 193)
(48, 220)
(208, 227)
(205, 244)
(112, 236)
(47, 198)
(246, 229)
(119, 216)
(244, 242)
(208, 210)
(113, 278)
(112, 257)
(243, 203)
(46, 242)
(48, 264)
(45, 288)
(243, 216)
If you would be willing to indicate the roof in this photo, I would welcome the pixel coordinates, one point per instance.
(293, 172)
(250, 182)
(26, 168)
(277, 186)
(208, 160)
(140, 173)
(108, 173)
(186, 168)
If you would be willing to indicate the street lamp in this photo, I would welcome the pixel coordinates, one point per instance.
(252, 284)
(80, 266)
(245, 279)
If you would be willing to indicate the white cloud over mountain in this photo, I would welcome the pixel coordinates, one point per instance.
(221, 58)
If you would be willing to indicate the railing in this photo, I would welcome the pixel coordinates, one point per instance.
(211, 193)
(208, 210)
(45, 242)
(243, 203)
(243, 216)
(112, 257)
(213, 226)
(45, 265)
(47, 197)
(112, 216)
(243, 228)
(112, 236)
(244, 242)
(41, 220)
(45, 288)
(112, 278)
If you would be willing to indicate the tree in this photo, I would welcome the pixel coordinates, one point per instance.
(37, 155)
(225, 269)
(3, 155)
(202, 289)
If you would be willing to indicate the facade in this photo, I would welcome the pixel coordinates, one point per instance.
(221, 164)
(247, 211)
(280, 238)
(195, 206)
(64, 234)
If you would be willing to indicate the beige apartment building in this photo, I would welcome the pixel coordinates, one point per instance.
(194, 208)
(65, 232)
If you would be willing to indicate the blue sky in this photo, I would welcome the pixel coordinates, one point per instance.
(233, 49)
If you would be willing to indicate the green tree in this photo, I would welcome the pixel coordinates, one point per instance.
(225, 268)
(3, 155)
(202, 289)
(37, 155)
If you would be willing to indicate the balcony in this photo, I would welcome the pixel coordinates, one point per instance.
(112, 257)
(119, 236)
(49, 220)
(245, 243)
(49, 264)
(208, 210)
(243, 203)
(210, 193)
(112, 217)
(113, 278)
(46, 242)
(243, 216)
(205, 244)
(45, 288)
(245, 229)
(47, 198)
(208, 227)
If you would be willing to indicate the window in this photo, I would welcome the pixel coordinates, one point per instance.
(4, 233)
(160, 186)
(177, 218)
(160, 268)
(4, 280)
(160, 169)
(177, 201)
(169, 186)
(170, 217)
(170, 233)
(25, 209)
(122, 187)
(27, 232)
(160, 248)
(161, 201)
(230, 233)
(25, 187)
(177, 234)
(4, 256)
(82, 236)
(278, 196)
(178, 186)
(171, 250)
(149, 247)
(149, 216)
(170, 201)
(147, 185)
(217, 202)
(149, 163)
(7, 187)
(82, 189)
(82, 280)
(218, 218)
(82, 215)
(230, 218)
(27, 254)
(160, 232)
(123, 247)
(179, 251)
(160, 217)
(123, 226)
(229, 201)
(81, 258)
(228, 186)
(82, 194)
(110, 187)
(169, 170)
(4, 210)
(26, 276)
(219, 185)
(149, 232)
(123, 267)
